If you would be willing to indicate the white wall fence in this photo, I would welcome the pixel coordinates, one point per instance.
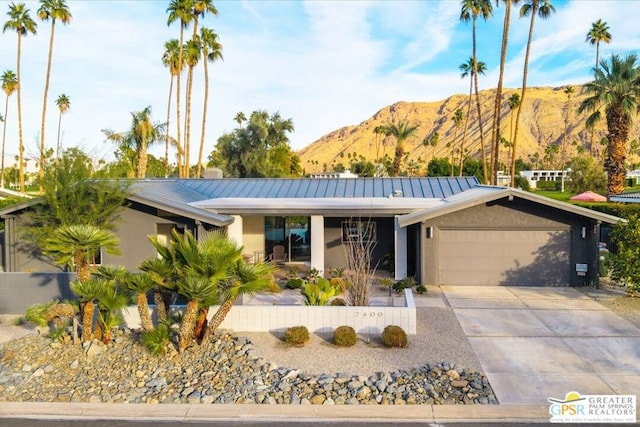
(277, 318)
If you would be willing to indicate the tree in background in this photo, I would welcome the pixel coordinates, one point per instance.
(211, 51)
(569, 91)
(616, 87)
(470, 10)
(20, 22)
(56, 10)
(586, 175)
(400, 131)
(457, 118)
(71, 198)
(9, 85)
(143, 133)
(470, 68)
(543, 9)
(260, 149)
(170, 60)
(64, 103)
(599, 32)
(497, 106)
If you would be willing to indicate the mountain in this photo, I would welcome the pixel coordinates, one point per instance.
(547, 113)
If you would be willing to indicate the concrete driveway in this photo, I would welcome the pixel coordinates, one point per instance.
(535, 343)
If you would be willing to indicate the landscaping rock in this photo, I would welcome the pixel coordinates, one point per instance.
(222, 371)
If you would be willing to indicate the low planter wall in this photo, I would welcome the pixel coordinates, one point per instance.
(19, 290)
(277, 318)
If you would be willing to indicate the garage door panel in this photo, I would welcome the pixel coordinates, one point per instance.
(504, 257)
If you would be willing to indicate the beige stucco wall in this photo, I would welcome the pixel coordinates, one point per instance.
(253, 234)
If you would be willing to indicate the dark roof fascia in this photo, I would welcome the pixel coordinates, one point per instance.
(501, 193)
(185, 210)
(13, 209)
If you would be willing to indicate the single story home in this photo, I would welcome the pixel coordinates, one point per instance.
(443, 231)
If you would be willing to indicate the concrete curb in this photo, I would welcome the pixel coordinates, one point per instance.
(200, 412)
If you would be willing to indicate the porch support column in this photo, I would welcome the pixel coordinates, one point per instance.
(400, 249)
(234, 230)
(317, 242)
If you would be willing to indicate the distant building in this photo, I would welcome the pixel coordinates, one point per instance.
(635, 175)
(345, 174)
(534, 176)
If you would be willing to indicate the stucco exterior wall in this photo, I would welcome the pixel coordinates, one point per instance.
(253, 234)
(517, 214)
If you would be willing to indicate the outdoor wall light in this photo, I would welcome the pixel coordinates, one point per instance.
(584, 232)
(429, 232)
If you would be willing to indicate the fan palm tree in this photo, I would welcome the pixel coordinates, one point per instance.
(470, 10)
(533, 8)
(164, 276)
(400, 131)
(56, 10)
(180, 11)
(616, 88)
(497, 106)
(20, 22)
(192, 53)
(76, 246)
(211, 51)
(143, 133)
(64, 103)
(470, 68)
(110, 301)
(380, 131)
(170, 60)
(9, 85)
(569, 91)
(599, 32)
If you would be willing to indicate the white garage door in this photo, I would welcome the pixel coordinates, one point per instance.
(504, 257)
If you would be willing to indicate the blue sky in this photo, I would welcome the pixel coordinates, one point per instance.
(324, 64)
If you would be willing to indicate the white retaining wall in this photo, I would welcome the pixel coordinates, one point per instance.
(277, 318)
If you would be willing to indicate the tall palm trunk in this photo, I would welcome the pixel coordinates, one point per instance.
(397, 160)
(466, 122)
(20, 141)
(483, 154)
(142, 160)
(187, 124)
(178, 140)
(4, 139)
(497, 107)
(218, 318)
(58, 138)
(166, 142)
(143, 309)
(618, 126)
(187, 325)
(204, 114)
(525, 72)
(44, 106)
(201, 323)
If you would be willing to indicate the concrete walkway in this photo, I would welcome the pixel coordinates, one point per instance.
(536, 343)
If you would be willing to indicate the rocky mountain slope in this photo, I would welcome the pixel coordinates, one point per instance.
(547, 114)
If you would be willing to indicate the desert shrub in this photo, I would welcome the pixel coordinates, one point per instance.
(407, 282)
(338, 301)
(344, 336)
(37, 313)
(421, 289)
(294, 283)
(296, 335)
(394, 336)
(156, 340)
(273, 287)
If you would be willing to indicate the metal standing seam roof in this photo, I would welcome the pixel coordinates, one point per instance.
(276, 188)
(484, 194)
(631, 197)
